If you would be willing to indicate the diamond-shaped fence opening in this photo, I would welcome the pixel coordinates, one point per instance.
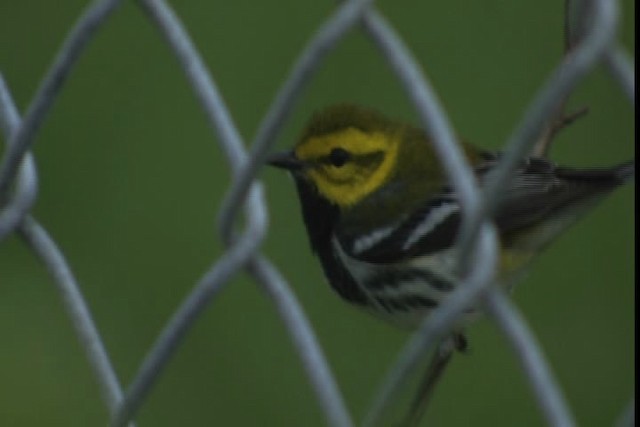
(243, 222)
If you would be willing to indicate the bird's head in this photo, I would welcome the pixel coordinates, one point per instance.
(347, 153)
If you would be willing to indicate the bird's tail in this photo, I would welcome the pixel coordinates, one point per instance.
(625, 171)
(609, 177)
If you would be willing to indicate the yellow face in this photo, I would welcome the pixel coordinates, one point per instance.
(347, 165)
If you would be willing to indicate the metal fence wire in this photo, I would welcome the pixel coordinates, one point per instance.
(596, 45)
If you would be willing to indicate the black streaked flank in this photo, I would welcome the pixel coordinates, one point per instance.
(407, 303)
(395, 277)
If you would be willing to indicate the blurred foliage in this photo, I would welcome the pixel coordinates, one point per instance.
(132, 177)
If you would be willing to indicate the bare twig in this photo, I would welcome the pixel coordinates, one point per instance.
(435, 326)
(436, 124)
(436, 368)
(561, 82)
(560, 122)
(577, 17)
(566, 120)
(589, 32)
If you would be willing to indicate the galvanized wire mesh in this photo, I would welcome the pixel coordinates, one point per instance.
(477, 242)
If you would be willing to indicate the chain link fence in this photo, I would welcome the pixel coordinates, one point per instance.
(597, 45)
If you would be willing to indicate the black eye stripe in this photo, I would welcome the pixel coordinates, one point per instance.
(339, 156)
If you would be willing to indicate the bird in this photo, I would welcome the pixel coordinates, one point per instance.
(382, 216)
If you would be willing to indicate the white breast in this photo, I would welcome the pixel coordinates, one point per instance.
(390, 301)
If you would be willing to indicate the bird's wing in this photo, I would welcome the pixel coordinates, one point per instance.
(428, 229)
(537, 192)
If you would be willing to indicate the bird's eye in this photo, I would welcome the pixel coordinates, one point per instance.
(338, 157)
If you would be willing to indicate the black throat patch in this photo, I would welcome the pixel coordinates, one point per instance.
(321, 218)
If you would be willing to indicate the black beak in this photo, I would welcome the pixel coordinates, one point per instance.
(285, 160)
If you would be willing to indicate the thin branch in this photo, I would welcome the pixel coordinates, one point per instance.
(567, 119)
(576, 17)
(562, 81)
(560, 122)
(436, 325)
(84, 29)
(478, 237)
(480, 272)
(439, 362)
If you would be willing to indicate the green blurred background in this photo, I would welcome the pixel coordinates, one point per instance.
(132, 177)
